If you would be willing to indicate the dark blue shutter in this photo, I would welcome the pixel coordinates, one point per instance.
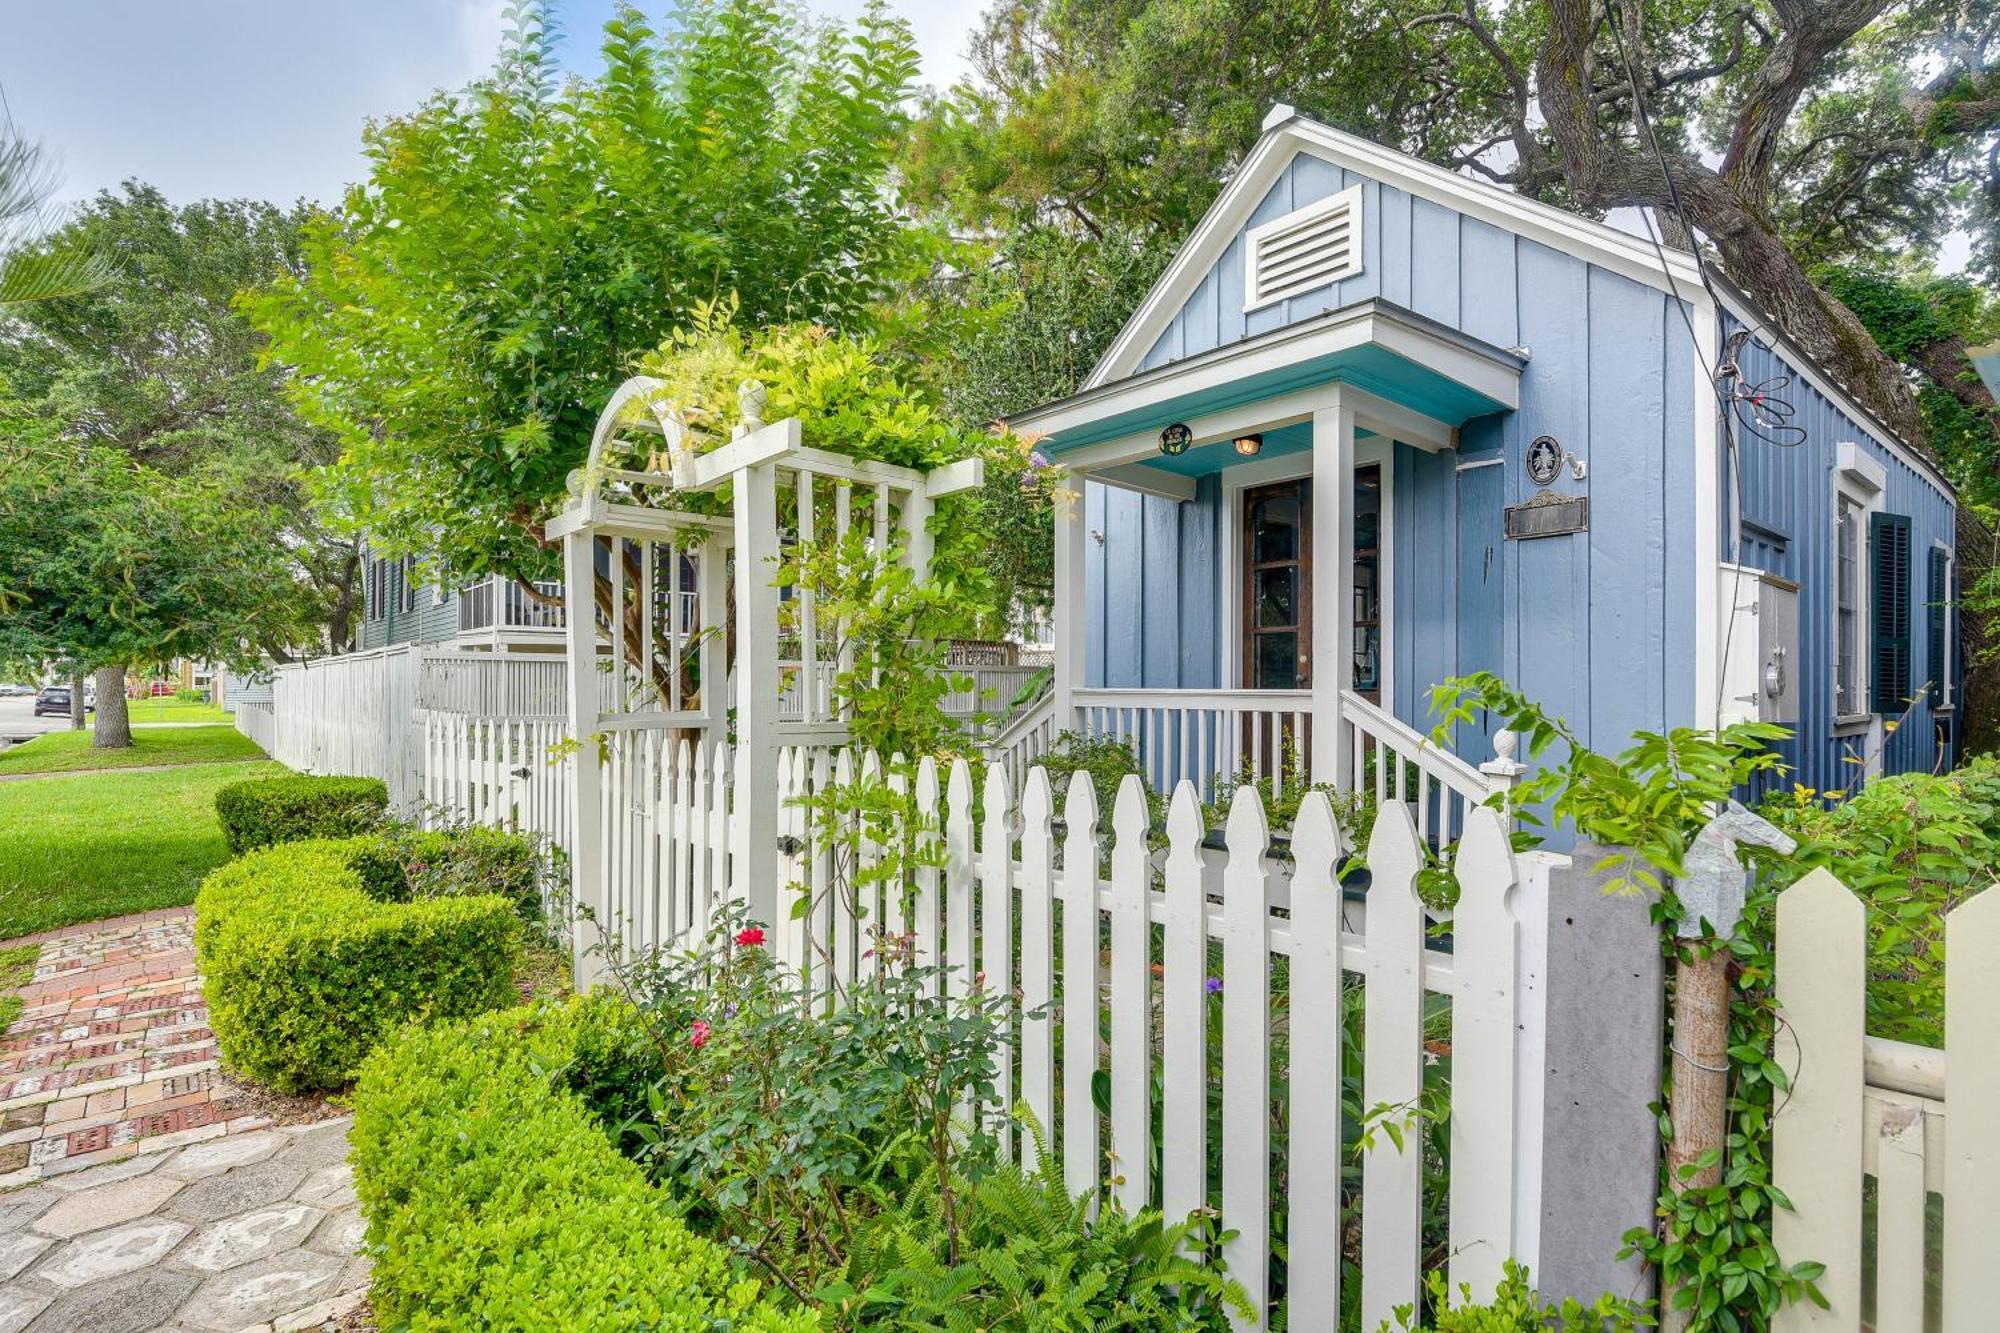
(1935, 598)
(1889, 551)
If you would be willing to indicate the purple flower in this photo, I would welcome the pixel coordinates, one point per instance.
(1213, 985)
(729, 1011)
(1038, 460)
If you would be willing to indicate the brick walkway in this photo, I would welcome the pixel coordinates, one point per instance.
(144, 1196)
(112, 1057)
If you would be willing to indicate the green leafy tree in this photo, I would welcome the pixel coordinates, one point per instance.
(158, 365)
(105, 562)
(519, 245)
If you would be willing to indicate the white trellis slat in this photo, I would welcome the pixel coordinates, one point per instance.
(1393, 1055)
(1080, 981)
(1184, 1013)
(1246, 1046)
(1131, 998)
(1313, 1224)
(996, 932)
(1972, 1111)
(1037, 951)
(1485, 963)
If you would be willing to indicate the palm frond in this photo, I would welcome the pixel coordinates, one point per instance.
(48, 275)
(31, 267)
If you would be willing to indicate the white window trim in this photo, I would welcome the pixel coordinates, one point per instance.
(1291, 467)
(1946, 670)
(1253, 241)
(1859, 479)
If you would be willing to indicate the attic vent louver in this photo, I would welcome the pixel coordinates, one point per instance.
(1307, 248)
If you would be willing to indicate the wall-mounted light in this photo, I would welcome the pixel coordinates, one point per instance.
(1175, 439)
(1249, 445)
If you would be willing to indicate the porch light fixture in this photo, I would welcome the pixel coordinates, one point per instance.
(1175, 439)
(1249, 445)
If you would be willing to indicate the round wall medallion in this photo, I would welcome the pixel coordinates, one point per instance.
(1175, 439)
(1545, 459)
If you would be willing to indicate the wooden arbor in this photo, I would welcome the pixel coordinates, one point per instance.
(680, 675)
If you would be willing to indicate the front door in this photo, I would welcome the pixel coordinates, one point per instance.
(1277, 591)
(1278, 586)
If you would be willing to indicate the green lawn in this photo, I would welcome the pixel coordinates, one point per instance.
(70, 752)
(174, 710)
(17, 969)
(89, 845)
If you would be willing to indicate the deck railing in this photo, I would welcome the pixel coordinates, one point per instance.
(498, 603)
(1217, 739)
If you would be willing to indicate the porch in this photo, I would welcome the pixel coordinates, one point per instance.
(1273, 549)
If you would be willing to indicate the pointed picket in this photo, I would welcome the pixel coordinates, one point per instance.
(1246, 1047)
(1038, 950)
(1816, 1138)
(1184, 1014)
(1131, 998)
(680, 874)
(958, 880)
(1313, 1196)
(1972, 1110)
(996, 936)
(924, 890)
(787, 931)
(1393, 1071)
(846, 923)
(1080, 984)
(1485, 959)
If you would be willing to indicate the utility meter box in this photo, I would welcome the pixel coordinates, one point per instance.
(1760, 646)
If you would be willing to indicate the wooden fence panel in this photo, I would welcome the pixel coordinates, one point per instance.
(1485, 959)
(1246, 1047)
(1131, 999)
(1393, 1065)
(1081, 981)
(1313, 1224)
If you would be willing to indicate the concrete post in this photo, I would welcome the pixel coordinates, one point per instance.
(1604, 1017)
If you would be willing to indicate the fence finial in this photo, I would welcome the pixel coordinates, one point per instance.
(1503, 771)
(750, 398)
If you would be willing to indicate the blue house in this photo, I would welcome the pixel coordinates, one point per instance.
(1379, 424)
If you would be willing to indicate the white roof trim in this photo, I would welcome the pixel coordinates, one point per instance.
(1620, 252)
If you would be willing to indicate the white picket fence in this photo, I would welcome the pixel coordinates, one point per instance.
(353, 715)
(1146, 942)
(1921, 1122)
(512, 773)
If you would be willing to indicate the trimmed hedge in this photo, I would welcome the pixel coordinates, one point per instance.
(399, 864)
(305, 971)
(266, 811)
(495, 1200)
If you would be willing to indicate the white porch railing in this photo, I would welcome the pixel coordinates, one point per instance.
(503, 604)
(1214, 738)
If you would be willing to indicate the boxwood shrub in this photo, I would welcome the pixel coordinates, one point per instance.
(265, 811)
(496, 1201)
(305, 971)
(399, 863)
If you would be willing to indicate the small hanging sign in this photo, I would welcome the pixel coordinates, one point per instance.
(1548, 515)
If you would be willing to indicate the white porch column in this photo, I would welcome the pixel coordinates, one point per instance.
(586, 861)
(1333, 592)
(1069, 588)
(754, 829)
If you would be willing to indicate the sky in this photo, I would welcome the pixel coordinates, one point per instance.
(266, 98)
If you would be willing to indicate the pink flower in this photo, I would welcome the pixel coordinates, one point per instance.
(698, 1034)
(749, 937)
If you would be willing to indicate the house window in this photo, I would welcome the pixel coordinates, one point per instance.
(407, 574)
(372, 589)
(1858, 481)
(1848, 694)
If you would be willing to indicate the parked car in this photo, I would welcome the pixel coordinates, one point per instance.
(55, 699)
(13, 691)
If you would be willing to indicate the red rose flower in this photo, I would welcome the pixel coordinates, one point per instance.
(749, 937)
(698, 1034)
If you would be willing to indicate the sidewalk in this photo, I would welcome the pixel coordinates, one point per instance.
(150, 1193)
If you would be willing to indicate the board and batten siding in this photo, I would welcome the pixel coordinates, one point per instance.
(1597, 626)
(1787, 529)
(1149, 617)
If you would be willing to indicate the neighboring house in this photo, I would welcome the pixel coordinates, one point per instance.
(493, 614)
(1379, 424)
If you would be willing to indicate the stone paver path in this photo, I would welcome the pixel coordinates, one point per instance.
(143, 1200)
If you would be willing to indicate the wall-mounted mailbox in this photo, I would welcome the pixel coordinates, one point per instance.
(1760, 646)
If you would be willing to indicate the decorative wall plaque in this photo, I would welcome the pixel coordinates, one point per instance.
(1548, 515)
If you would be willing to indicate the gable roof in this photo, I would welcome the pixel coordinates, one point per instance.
(1286, 134)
